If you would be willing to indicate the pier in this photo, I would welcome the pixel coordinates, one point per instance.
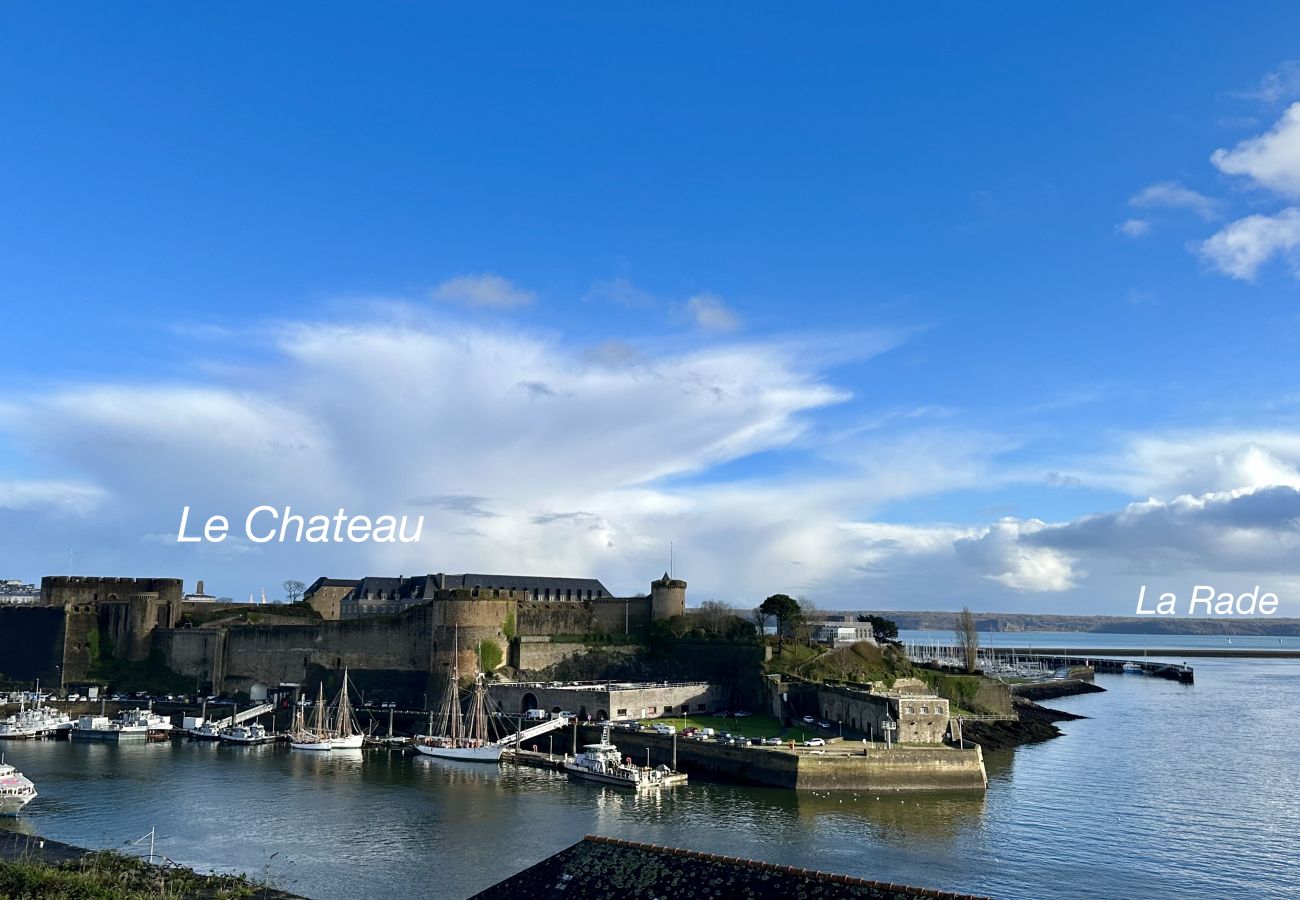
(1043, 664)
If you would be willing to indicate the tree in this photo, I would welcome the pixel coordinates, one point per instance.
(802, 626)
(968, 639)
(783, 608)
(885, 630)
(293, 590)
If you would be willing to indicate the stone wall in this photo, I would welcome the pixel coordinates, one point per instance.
(628, 616)
(65, 590)
(920, 718)
(900, 769)
(614, 700)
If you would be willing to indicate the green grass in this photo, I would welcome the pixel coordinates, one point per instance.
(747, 726)
(111, 876)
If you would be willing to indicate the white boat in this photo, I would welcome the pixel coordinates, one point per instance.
(37, 722)
(101, 728)
(16, 790)
(317, 738)
(603, 763)
(247, 734)
(156, 727)
(206, 731)
(1132, 668)
(462, 738)
(345, 733)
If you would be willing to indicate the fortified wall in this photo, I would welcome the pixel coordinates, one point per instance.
(109, 617)
(130, 618)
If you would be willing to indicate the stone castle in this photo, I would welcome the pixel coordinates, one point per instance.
(83, 621)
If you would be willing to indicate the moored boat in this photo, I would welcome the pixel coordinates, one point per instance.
(317, 738)
(602, 762)
(16, 790)
(462, 737)
(248, 734)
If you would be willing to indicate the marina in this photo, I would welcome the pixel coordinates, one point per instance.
(1129, 756)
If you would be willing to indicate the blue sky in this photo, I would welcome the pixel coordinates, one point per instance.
(884, 307)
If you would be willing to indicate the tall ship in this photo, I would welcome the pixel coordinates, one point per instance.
(463, 737)
(317, 736)
(602, 762)
(345, 734)
(16, 790)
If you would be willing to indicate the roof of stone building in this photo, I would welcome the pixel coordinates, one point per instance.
(331, 582)
(602, 868)
(525, 582)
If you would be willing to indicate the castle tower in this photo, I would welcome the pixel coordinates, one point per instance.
(667, 598)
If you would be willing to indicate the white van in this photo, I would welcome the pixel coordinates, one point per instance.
(536, 715)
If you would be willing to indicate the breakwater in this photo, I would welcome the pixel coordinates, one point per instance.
(837, 766)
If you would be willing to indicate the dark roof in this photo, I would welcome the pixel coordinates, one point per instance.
(525, 582)
(330, 582)
(599, 868)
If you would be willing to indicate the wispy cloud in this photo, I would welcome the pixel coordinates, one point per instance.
(709, 312)
(483, 290)
(1134, 228)
(1172, 195)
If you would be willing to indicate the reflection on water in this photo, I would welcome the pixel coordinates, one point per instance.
(1163, 791)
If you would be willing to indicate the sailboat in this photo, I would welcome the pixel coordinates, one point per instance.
(463, 737)
(346, 734)
(318, 737)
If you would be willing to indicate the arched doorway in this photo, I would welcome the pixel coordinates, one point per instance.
(529, 702)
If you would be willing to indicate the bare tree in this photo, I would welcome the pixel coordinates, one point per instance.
(715, 616)
(968, 639)
(293, 590)
(808, 615)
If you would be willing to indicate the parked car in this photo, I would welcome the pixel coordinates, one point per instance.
(741, 713)
(662, 728)
(814, 742)
(772, 742)
(808, 719)
(826, 725)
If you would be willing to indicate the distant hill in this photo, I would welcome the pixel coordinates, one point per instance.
(942, 620)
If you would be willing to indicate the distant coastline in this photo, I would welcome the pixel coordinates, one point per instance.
(943, 620)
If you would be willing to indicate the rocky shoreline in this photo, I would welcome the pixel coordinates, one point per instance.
(1035, 722)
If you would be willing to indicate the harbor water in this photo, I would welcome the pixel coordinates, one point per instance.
(1165, 790)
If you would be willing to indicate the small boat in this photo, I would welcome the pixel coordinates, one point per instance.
(1132, 668)
(318, 737)
(246, 735)
(156, 727)
(16, 790)
(603, 763)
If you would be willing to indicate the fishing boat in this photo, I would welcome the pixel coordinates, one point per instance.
(36, 722)
(346, 733)
(1132, 668)
(16, 790)
(247, 735)
(316, 738)
(462, 737)
(602, 762)
(156, 727)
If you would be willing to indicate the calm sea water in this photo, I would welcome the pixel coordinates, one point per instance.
(1164, 791)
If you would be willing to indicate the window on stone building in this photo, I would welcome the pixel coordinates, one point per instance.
(622, 712)
(925, 710)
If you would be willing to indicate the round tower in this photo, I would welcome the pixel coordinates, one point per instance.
(667, 598)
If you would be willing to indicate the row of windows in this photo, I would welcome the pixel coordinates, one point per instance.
(538, 594)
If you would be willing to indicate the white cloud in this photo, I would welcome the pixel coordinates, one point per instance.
(1002, 554)
(1172, 195)
(483, 290)
(1242, 247)
(51, 496)
(1271, 160)
(1282, 83)
(1134, 228)
(711, 313)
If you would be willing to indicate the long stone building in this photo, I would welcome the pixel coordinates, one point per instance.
(82, 621)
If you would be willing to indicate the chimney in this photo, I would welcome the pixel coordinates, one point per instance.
(200, 590)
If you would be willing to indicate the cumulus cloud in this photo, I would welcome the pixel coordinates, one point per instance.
(1243, 246)
(1172, 195)
(483, 290)
(1134, 228)
(1272, 159)
(709, 312)
(1004, 554)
